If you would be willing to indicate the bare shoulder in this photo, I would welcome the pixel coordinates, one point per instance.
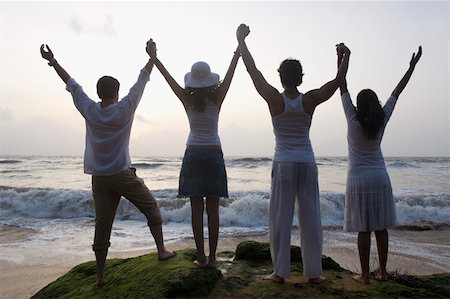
(276, 104)
(310, 101)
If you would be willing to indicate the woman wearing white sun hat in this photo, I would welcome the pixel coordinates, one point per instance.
(203, 174)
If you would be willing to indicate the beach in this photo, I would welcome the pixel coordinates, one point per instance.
(22, 278)
(47, 224)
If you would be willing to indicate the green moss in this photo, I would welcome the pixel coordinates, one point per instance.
(226, 254)
(256, 251)
(329, 264)
(146, 277)
(140, 277)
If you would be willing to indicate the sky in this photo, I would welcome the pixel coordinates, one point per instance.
(92, 39)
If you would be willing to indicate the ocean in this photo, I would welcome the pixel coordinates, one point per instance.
(52, 196)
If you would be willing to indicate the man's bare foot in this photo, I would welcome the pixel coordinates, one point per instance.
(319, 279)
(165, 255)
(274, 277)
(361, 279)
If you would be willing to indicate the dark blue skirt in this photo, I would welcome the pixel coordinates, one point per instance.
(203, 173)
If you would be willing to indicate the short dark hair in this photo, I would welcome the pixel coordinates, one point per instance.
(291, 72)
(107, 87)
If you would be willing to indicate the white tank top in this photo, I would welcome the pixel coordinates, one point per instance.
(203, 125)
(291, 129)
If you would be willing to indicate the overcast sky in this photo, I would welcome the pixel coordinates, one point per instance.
(92, 39)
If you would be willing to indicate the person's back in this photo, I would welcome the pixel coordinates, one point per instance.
(363, 151)
(291, 129)
(203, 125)
(108, 127)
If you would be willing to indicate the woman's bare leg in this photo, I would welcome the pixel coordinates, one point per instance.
(382, 239)
(197, 208)
(212, 210)
(364, 256)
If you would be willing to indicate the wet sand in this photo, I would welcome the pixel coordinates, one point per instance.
(21, 278)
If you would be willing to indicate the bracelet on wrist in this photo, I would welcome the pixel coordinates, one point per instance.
(52, 62)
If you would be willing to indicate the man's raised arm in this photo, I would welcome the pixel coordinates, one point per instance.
(47, 54)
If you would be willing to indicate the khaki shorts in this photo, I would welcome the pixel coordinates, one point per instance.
(107, 191)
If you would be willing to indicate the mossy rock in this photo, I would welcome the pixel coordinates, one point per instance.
(329, 264)
(146, 277)
(140, 277)
(258, 252)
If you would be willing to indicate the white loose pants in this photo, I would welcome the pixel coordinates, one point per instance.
(293, 181)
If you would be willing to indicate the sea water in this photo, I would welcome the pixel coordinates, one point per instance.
(53, 196)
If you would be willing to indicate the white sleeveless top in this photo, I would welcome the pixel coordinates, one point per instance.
(203, 125)
(291, 129)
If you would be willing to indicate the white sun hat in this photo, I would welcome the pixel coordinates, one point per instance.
(201, 76)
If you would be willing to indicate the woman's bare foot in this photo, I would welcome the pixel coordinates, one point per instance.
(274, 277)
(100, 280)
(211, 262)
(361, 279)
(200, 264)
(380, 277)
(165, 255)
(201, 260)
(319, 279)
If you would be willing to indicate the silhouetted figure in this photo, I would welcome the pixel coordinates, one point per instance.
(369, 203)
(107, 158)
(294, 170)
(203, 175)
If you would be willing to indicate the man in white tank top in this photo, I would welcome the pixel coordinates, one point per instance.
(294, 171)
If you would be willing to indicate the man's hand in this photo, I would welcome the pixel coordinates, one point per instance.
(342, 49)
(242, 32)
(151, 48)
(47, 54)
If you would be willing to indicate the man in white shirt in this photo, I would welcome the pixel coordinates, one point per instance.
(107, 158)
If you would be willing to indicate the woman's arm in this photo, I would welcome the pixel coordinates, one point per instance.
(179, 91)
(270, 94)
(225, 85)
(412, 64)
(340, 50)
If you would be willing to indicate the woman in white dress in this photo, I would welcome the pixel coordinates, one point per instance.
(369, 203)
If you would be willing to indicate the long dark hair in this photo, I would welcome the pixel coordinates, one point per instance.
(370, 114)
(198, 97)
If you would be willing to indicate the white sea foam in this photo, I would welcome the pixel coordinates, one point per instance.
(52, 196)
(242, 209)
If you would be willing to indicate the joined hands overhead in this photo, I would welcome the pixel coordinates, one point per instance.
(151, 48)
(242, 32)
